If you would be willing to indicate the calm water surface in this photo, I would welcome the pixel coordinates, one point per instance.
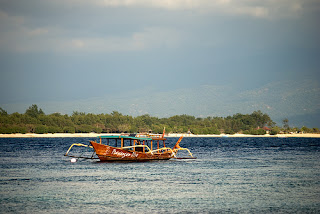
(231, 175)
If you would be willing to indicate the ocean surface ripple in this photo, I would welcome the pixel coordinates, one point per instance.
(230, 175)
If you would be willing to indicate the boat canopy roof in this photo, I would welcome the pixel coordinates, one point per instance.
(125, 137)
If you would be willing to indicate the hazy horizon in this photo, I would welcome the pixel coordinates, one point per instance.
(201, 58)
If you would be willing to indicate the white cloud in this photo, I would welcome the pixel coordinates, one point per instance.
(38, 31)
(19, 38)
(253, 11)
(148, 39)
(20, 33)
(7, 21)
(165, 4)
(16, 37)
(255, 8)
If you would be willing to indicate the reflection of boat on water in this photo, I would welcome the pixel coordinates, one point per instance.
(133, 148)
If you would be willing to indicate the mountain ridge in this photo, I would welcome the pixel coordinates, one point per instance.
(299, 101)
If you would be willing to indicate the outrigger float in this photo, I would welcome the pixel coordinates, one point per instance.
(132, 148)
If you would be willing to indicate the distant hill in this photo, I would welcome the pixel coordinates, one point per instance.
(297, 101)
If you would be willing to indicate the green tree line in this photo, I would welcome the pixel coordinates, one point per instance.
(34, 120)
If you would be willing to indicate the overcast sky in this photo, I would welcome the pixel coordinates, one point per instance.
(76, 49)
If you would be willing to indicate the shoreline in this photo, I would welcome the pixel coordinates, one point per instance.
(94, 135)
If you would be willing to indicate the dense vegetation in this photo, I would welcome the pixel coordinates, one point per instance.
(34, 120)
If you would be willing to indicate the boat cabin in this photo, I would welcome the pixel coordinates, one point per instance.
(134, 143)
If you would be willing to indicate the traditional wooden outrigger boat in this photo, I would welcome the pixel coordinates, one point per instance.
(133, 148)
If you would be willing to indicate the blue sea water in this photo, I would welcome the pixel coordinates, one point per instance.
(230, 175)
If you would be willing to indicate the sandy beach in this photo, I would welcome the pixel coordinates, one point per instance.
(246, 135)
(32, 135)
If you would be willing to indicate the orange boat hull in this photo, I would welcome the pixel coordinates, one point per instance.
(109, 153)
